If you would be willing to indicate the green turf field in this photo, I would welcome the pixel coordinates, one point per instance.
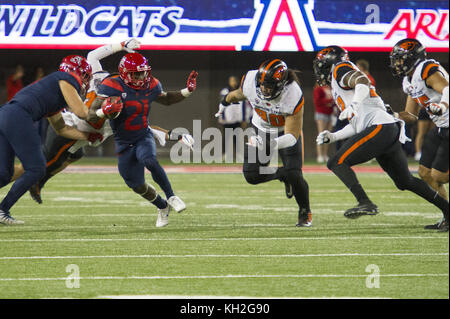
(233, 240)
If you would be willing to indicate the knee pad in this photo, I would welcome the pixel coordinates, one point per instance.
(142, 189)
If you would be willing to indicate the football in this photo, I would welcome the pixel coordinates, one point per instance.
(109, 104)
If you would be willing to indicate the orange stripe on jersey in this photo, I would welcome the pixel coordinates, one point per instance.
(61, 150)
(113, 84)
(359, 143)
(427, 70)
(339, 66)
(299, 105)
(267, 68)
(243, 79)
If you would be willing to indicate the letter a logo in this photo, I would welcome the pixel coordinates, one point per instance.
(284, 26)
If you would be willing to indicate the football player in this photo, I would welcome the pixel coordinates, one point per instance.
(277, 101)
(59, 151)
(372, 133)
(19, 137)
(425, 82)
(134, 141)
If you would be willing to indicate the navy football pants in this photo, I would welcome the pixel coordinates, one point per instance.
(19, 137)
(135, 158)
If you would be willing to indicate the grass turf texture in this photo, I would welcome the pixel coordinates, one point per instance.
(233, 240)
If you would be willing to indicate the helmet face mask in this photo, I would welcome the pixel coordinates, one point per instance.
(135, 71)
(271, 79)
(324, 61)
(405, 56)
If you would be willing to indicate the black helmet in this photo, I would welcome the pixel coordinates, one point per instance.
(273, 75)
(405, 56)
(324, 61)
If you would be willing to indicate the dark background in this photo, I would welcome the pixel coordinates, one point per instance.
(173, 67)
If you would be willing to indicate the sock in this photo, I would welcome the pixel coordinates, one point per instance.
(348, 177)
(159, 202)
(360, 194)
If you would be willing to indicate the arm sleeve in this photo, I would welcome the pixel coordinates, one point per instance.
(344, 133)
(96, 55)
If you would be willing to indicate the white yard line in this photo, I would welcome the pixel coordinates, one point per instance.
(222, 277)
(20, 240)
(227, 256)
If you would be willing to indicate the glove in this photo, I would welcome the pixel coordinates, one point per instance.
(389, 109)
(256, 141)
(220, 111)
(348, 113)
(130, 45)
(112, 107)
(188, 140)
(192, 81)
(436, 109)
(325, 137)
(94, 137)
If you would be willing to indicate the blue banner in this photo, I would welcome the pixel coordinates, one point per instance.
(258, 25)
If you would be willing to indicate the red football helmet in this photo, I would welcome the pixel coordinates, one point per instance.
(78, 65)
(135, 71)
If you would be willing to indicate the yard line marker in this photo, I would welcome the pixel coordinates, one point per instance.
(222, 277)
(227, 256)
(12, 240)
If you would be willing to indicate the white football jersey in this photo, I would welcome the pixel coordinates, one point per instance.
(371, 111)
(269, 115)
(421, 93)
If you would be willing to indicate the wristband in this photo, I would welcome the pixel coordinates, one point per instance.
(100, 113)
(185, 92)
(224, 101)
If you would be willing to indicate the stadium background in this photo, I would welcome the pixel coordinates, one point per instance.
(172, 69)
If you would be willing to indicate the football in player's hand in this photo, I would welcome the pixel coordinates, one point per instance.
(112, 106)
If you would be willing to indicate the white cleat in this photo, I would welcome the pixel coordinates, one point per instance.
(163, 217)
(177, 204)
(7, 219)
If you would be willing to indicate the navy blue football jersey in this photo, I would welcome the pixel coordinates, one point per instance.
(132, 123)
(44, 97)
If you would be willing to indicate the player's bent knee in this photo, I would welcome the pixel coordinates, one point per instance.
(332, 163)
(252, 177)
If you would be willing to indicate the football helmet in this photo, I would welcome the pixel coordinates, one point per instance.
(78, 65)
(271, 78)
(325, 60)
(135, 71)
(405, 56)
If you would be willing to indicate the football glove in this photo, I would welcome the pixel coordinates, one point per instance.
(192, 81)
(187, 140)
(130, 45)
(436, 109)
(95, 137)
(112, 107)
(325, 137)
(220, 111)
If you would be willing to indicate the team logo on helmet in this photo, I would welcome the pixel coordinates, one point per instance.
(409, 45)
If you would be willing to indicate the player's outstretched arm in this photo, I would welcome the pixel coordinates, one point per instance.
(102, 52)
(60, 127)
(73, 99)
(172, 97)
(232, 97)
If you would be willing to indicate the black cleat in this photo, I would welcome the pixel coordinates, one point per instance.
(304, 218)
(361, 210)
(443, 226)
(35, 192)
(434, 226)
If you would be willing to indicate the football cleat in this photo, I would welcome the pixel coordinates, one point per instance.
(435, 226)
(443, 227)
(163, 216)
(7, 219)
(35, 192)
(176, 203)
(361, 210)
(304, 218)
